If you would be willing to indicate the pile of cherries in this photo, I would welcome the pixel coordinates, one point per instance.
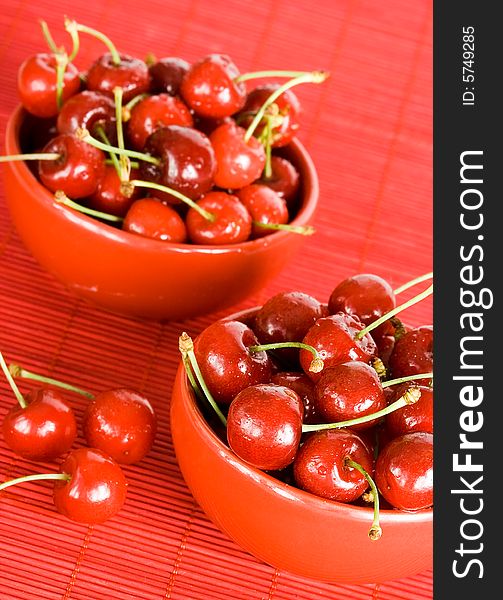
(119, 426)
(331, 398)
(164, 149)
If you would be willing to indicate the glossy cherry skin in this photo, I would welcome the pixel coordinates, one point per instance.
(334, 337)
(131, 74)
(42, 431)
(265, 206)
(166, 75)
(88, 110)
(284, 180)
(264, 426)
(78, 170)
(413, 417)
(187, 161)
(149, 217)
(413, 353)
(232, 223)
(404, 471)
(109, 197)
(37, 84)
(288, 107)
(239, 163)
(348, 391)
(320, 467)
(122, 423)
(154, 112)
(304, 387)
(210, 89)
(226, 364)
(97, 488)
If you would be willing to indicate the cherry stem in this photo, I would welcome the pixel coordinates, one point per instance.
(62, 198)
(18, 371)
(126, 110)
(379, 367)
(36, 477)
(273, 73)
(301, 229)
(133, 163)
(395, 311)
(411, 396)
(61, 64)
(73, 28)
(85, 136)
(413, 282)
(49, 39)
(391, 382)
(32, 156)
(316, 364)
(12, 383)
(375, 530)
(113, 157)
(124, 163)
(186, 347)
(310, 77)
(162, 188)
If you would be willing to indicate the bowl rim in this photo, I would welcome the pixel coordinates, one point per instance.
(386, 515)
(25, 175)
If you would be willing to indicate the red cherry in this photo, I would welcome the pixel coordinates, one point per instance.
(239, 163)
(413, 417)
(121, 423)
(226, 364)
(166, 75)
(108, 196)
(210, 88)
(232, 223)
(413, 352)
(304, 387)
(404, 471)
(149, 217)
(334, 337)
(131, 74)
(264, 426)
(348, 391)
(96, 490)
(284, 179)
(154, 112)
(45, 429)
(264, 206)
(37, 84)
(78, 170)
(320, 465)
(88, 110)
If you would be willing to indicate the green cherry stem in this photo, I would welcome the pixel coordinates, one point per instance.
(49, 39)
(62, 198)
(126, 109)
(124, 162)
(36, 477)
(412, 283)
(411, 396)
(301, 229)
(394, 312)
(186, 347)
(32, 156)
(12, 383)
(85, 136)
(375, 530)
(316, 364)
(273, 73)
(18, 371)
(310, 77)
(74, 28)
(406, 378)
(113, 157)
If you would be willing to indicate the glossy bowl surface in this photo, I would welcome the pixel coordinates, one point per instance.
(286, 527)
(139, 277)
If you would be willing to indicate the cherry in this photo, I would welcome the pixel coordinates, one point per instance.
(347, 391)
(166, 75)
(122, 423)
(210, 87)
(186, 161)
(89, 110)
(404, 471)
(264, 205)
(109, 196)
(130, 73)
(149, 217)
(414, 417)
(37, 84)
(413, 352)
(284, 179)
(231, 223)
(238, 162)
(334, 337)
(304, 387)
(154, 112)
(226, 364)
(264, 425)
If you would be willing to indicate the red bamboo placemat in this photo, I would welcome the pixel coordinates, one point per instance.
(369, 131)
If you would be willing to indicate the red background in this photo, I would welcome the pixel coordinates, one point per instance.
(369, 131)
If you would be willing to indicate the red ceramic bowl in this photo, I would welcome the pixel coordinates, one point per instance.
(141, 277)
(286, 527)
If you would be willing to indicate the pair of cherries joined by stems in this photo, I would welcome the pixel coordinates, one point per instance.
(119, 426)
(191, 153)
(300, 389)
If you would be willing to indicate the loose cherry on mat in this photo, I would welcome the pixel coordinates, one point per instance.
(166, 74)
(42, 426)
(149, 217)
(415, 417)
